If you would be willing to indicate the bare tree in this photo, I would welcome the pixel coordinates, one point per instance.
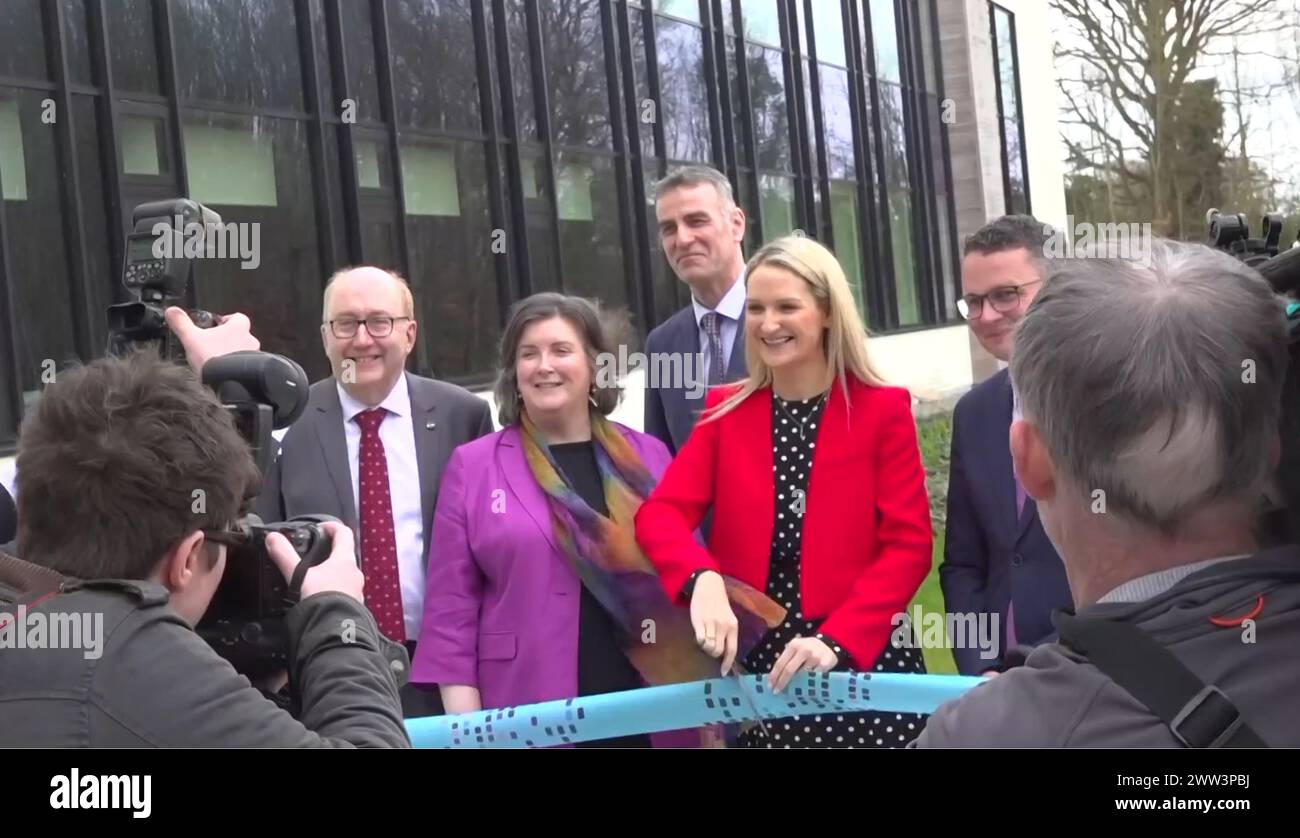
(1135, 58)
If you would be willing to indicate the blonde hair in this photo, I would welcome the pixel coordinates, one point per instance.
(846, 336)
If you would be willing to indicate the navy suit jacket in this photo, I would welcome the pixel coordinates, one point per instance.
(670, 412)
(991, 558)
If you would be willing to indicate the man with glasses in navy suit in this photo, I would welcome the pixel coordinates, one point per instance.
(997, 559)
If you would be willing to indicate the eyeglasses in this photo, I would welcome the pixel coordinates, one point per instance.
(233, 535)
(1004, 299)
(378, 325)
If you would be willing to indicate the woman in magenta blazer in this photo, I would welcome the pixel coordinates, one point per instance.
(813, 474)
(521, 512)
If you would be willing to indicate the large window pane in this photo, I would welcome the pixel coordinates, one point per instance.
(684, 100)
(75, 27)
(884, 34)
(450, 238)
(589, 229)
(778, 205)
(828, 29)
(575, 67)
(767, 100)
(837, 118)
(434, 64)
(359, 47)
(243, 53)
(42, 310)
(22, 40)
(131, 45)
(762, 23)
(844, 225)
(261, 180)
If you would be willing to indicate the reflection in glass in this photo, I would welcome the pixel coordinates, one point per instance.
(664, 281)
(1006, 64)
(434, 69)
(838, 122)
(778, 205)
(685, 109)
(762, 23)
(33, 212)
(521, 70)
(144, 146)
(22, 40)
(102, 274)
(539, 220)
(884, 34)
(454, 286)
(647, 110)
(277, 216)
(575, 67)
(76, 29)
(828, 27)
(737, 107)
(323, 72)
(905, 277)
(374, 163)
(131, 45)
(242, 53)
(1017, 199)
(749, 203)
(359, 47)
(848, 249)
(767, 100)
(688, 9)
(590, 241)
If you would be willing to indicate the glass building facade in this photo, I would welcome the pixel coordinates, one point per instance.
(485, 149)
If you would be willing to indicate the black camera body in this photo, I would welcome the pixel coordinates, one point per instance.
(263, 392)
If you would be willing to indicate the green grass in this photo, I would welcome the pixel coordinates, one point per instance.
(935, 437)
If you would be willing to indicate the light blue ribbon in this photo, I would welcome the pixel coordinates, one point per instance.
(679, 706)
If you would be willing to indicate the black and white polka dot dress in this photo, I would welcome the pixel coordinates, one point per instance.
(792, 460)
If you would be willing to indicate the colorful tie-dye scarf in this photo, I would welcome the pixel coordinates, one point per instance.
(658, 637)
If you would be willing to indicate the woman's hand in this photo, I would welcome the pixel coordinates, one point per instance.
(716, 628)
(803, 654)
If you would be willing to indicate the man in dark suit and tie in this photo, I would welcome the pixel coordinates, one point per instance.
(371, 446)
(701, 230)
(997, 559)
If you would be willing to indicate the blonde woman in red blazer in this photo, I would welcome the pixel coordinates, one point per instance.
(811, 470)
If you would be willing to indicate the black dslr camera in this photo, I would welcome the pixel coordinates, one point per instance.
(264, 392)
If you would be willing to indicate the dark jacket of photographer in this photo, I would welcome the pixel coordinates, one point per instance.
(1060, 699)
(153, 681)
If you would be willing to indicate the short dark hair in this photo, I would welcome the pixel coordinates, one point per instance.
(111, 463)
(586, 319)
(1010, 232)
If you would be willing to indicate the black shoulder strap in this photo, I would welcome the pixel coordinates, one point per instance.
(1199, 715)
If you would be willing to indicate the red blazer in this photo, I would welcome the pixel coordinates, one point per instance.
(866, 544)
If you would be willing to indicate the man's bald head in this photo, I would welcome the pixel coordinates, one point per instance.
(366, 275)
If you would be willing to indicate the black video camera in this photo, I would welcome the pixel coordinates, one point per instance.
(1229, 232)
(263, 392)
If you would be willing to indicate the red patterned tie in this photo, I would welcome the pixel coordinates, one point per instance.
(378, 544)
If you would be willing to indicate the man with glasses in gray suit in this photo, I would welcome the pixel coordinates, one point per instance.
(371, 447)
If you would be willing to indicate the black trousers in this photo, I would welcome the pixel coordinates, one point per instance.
(419, 700)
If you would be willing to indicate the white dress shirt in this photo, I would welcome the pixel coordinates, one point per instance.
(732, 309)
(397, 433)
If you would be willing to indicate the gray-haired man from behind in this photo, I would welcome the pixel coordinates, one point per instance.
(1150, 398)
